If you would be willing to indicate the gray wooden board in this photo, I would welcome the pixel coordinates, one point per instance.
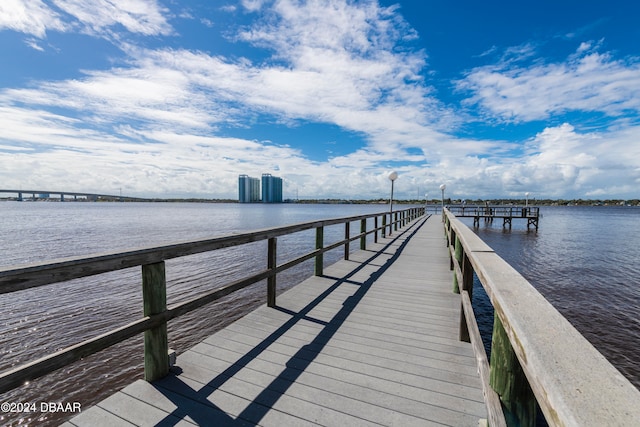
(371, 342)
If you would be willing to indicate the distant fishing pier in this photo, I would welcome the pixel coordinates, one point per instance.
(385, 336)
(506, 213)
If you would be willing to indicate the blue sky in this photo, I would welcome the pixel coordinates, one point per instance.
(167, 98)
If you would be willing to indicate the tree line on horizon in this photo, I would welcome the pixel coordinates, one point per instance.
(505, 201)
(383, 201)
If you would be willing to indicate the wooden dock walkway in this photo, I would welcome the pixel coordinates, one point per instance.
(373, 341)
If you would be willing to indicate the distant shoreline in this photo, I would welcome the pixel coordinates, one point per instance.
(541, 202)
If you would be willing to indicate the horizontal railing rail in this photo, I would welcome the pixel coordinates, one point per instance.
(156, 314)
(537, 356)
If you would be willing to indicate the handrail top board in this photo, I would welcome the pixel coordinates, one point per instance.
(574, 384)
(469, 239)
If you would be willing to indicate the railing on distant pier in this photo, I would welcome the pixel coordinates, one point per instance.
(536, 354)
(489, 213)
(156, 312)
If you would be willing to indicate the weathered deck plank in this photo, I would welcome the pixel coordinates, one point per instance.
(371, 342)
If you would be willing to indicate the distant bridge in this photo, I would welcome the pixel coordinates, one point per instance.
(45, 194)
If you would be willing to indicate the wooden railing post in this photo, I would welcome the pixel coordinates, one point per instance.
(467, 275)
(384, 225)
(390, 224)
(509, 381)
(154, 297)
(271, 265)
(347, 234)
(375, 229)
(319, 245)
(395, 221)
(467, 285)
(363, 231)
(458, 254)
(451, 238)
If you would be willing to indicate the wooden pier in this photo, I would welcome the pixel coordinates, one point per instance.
(506, 213)
(372, 341)
(386, 336)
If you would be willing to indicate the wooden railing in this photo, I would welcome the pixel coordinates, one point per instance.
(156, 312)
(498, 211)
(537, 356)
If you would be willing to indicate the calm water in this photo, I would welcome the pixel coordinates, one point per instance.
(584, 260)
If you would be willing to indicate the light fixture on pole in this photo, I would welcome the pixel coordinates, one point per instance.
(442, 188)
(526, 195)
(392, 177)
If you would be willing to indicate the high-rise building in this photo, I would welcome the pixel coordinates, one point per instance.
(248, 189)
(271, 189)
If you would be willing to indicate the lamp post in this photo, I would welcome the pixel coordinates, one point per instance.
(442, 188)
(426, 202)
(392, 177)
(526, 203)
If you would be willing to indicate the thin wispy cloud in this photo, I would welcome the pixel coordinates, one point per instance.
(587, 81)
(94, 17)
(144, 17)
(30, 17)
